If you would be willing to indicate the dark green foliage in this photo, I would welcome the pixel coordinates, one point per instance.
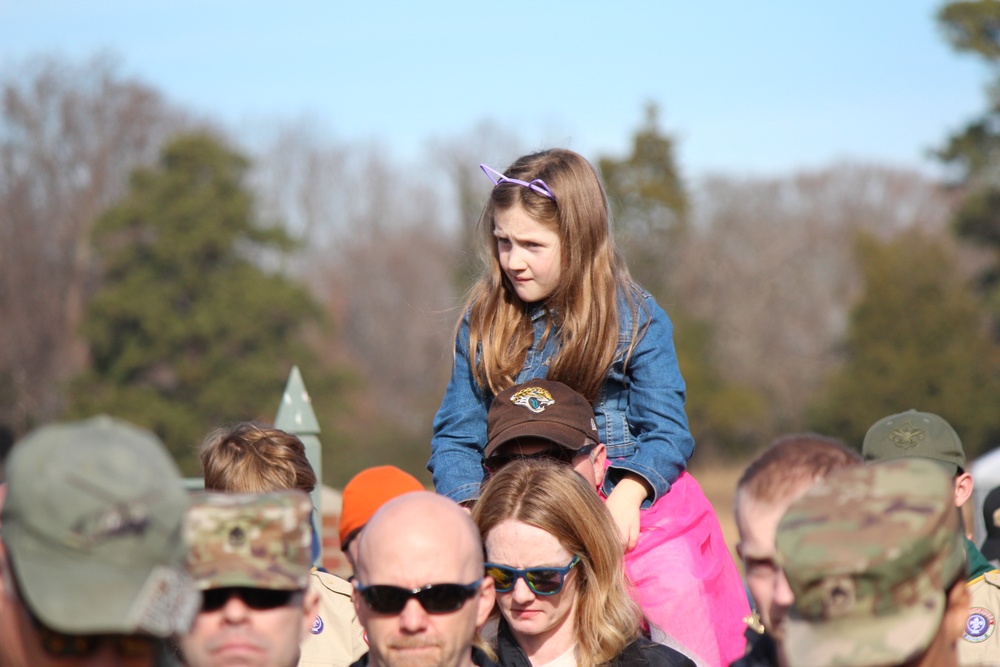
(972, 26)
(979, 217)
(187, 331)
(649, 208)
(725, 418)
(648, 204)
(915, 340)
(974, 152)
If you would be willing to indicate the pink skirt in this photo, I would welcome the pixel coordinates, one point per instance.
(684, 576)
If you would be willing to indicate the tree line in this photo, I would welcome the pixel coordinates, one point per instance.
(169, 270)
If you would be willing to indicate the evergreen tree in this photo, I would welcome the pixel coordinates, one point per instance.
(974, 152)
(187, 330)
(915, 340)
(649, 210)
(648, 204)
(726, 418)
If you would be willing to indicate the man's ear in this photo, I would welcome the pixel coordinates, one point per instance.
(963, 488)
(487, 598)
(600, 458)
(310, 608)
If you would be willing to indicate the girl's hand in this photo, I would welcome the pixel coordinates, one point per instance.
(624, 503)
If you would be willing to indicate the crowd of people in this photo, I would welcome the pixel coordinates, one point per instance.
(564, 529)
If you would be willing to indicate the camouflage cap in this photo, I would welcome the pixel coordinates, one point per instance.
(249, 540)
(869, 554)
(541, 409)
(913, 433)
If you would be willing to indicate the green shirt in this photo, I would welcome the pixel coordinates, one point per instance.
(978, 565)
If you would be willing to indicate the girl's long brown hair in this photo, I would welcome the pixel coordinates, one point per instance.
(584, 307)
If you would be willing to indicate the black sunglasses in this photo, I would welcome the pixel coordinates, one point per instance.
(556, 453)
(259, 599)
(435, 598)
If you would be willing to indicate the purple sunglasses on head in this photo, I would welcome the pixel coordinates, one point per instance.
(537, 185)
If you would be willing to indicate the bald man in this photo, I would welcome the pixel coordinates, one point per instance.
(419, 588)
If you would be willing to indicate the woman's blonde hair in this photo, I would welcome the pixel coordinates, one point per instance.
(253, 458)
(584, 306)
(555, 498)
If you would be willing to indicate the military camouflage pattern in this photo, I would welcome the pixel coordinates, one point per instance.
(869, 554)
(912, 433)
(256, 541)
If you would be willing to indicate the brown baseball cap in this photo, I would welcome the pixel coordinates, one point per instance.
(541, 409)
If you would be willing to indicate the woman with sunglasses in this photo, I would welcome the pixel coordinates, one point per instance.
(554, 554)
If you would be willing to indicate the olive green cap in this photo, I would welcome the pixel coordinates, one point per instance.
(92, 526)
(912, 433)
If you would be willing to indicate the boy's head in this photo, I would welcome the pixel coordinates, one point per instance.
(772, 482)
(254, 458)
(541, 418)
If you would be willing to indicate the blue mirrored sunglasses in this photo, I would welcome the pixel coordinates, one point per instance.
(541, 580)
(537, 185)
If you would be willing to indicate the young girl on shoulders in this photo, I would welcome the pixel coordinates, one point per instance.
(556, 301)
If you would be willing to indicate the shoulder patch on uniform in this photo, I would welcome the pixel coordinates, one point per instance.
(317, 626)
(979, 626)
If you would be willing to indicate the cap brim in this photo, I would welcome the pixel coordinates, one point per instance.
(950, 469)
(237, 572)
(80, 597)
(560, 434)
(864, 641)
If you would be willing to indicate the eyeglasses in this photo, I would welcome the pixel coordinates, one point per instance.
(61, 645)
(259, 599)
(435, 598)
(541, 580)
(556, 453)
(537, 185)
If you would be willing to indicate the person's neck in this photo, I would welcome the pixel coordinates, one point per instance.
(466, 660)
(545, 647)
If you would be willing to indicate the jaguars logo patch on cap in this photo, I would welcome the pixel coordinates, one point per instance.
(535, 399)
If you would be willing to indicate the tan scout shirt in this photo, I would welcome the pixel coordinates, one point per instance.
(980, 645)
(336, 638)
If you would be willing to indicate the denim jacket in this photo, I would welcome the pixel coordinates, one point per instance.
(639, 411)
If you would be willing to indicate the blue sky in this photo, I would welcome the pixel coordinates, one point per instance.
(746, 87)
